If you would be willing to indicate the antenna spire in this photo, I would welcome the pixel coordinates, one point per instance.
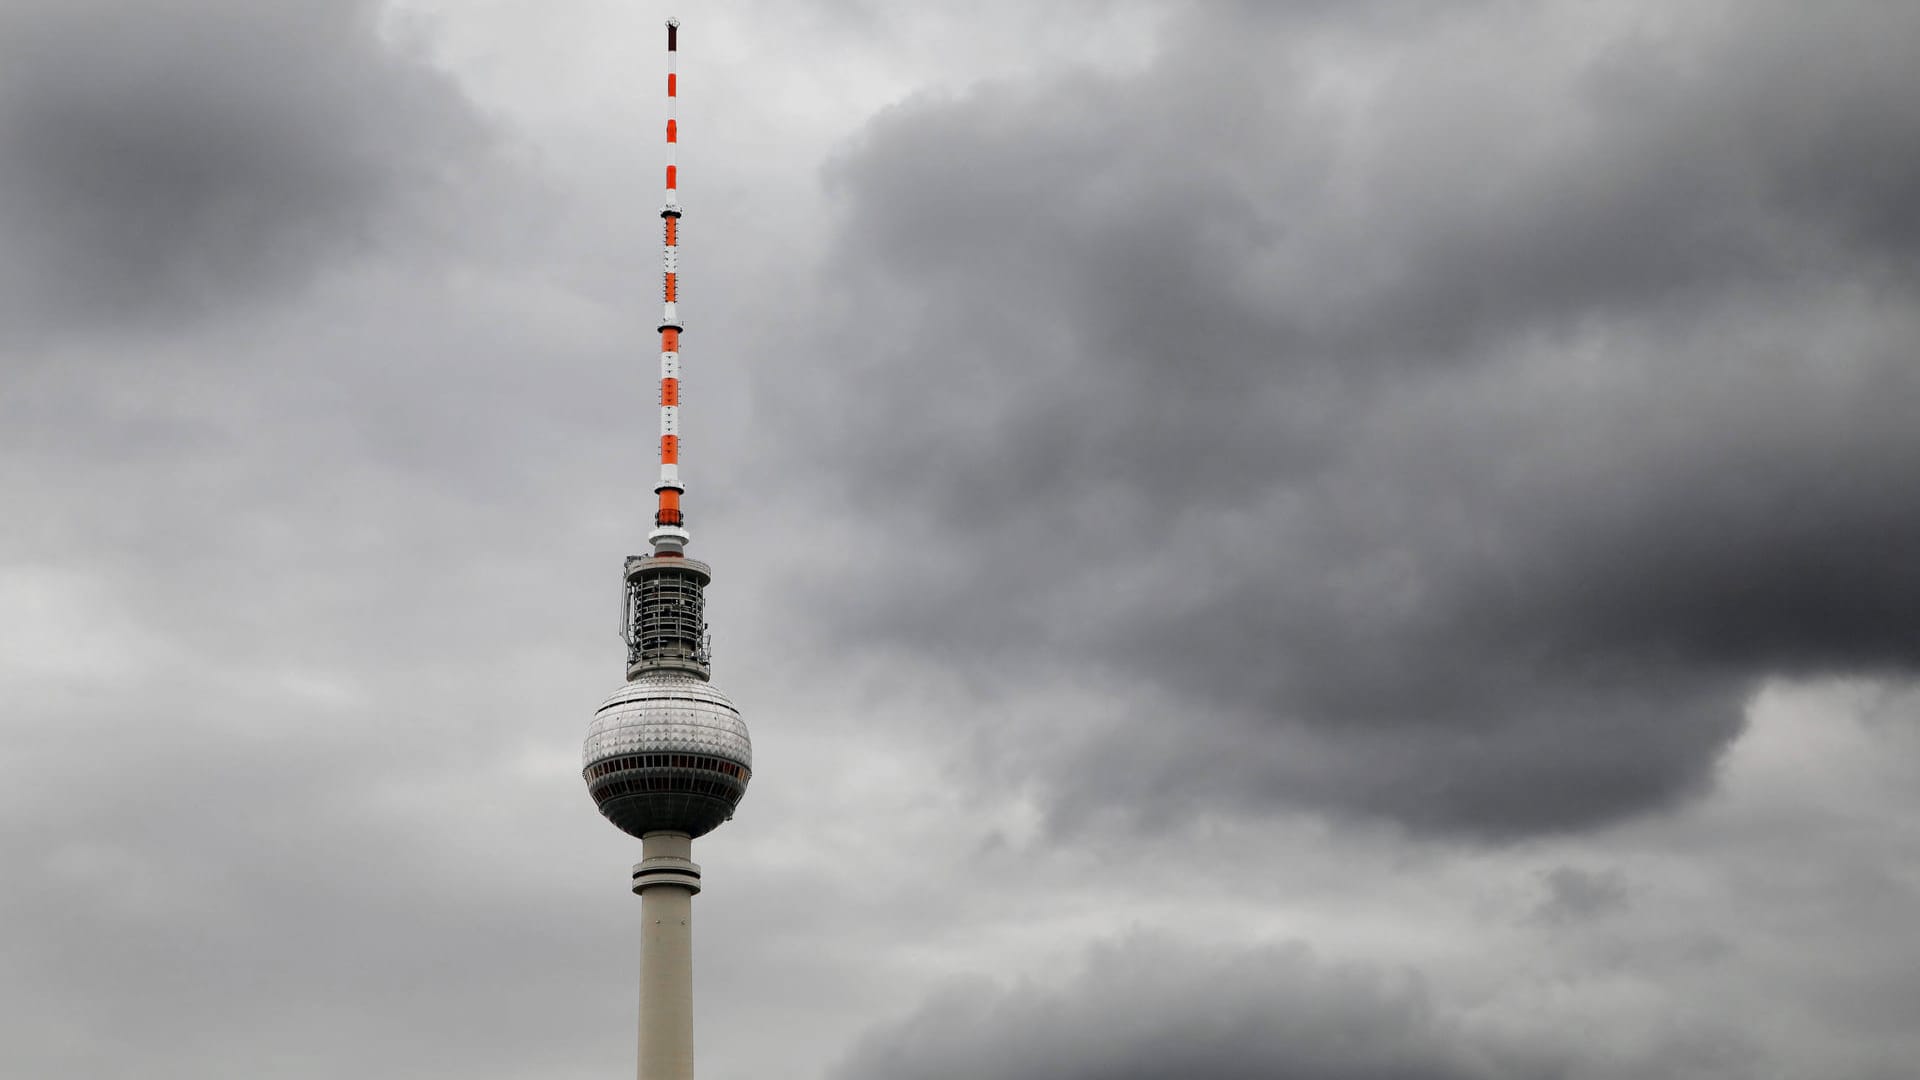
(669, 536)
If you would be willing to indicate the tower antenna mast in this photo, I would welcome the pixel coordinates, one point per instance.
(669, 536)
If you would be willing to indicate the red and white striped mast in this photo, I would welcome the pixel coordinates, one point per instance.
(669, 536)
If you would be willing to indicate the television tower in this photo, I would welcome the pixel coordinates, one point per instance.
(667, 757)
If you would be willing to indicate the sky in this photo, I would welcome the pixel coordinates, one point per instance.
(1327, 541)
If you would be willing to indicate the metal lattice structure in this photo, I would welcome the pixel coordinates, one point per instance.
(666, 615)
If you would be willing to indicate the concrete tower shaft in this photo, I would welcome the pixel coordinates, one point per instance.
(666, 878)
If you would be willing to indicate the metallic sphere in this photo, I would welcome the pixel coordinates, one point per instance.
(667, 753)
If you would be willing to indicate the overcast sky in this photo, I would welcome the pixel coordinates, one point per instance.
(1329, 541)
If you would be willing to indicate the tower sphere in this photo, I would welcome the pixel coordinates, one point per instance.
(667, 753)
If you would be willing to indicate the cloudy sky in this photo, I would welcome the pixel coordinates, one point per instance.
(1330, 541)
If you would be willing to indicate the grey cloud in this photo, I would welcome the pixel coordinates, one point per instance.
(1461, 455)
(307, 603)
(1153, 1008)
(1574, 895)
(161, 161)
(273, 901)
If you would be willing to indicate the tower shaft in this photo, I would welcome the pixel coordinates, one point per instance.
(666, 879)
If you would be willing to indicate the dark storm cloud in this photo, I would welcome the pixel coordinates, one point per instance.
(1153, 1012)
(1149, 1009)
(1462, 449)
(225, 785)
(160, 160)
